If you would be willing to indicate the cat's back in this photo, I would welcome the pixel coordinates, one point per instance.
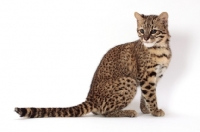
(117, 62)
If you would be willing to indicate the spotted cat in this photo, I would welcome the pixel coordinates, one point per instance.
(123, 68)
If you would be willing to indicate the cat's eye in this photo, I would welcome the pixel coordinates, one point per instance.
(153, 31)
(142, 30)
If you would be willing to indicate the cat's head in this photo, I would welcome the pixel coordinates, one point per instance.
(153, 29)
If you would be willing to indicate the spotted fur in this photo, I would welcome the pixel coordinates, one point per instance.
(123, 68)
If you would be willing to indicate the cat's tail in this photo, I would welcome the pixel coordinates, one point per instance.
(74, 111)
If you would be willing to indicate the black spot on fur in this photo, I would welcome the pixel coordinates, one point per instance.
(152, 100)
(144, 91)
(148, 87)
(155, 65)
(150, 95)
(159, 41)
(153, 90)
(152, 84)
(142, 83)
(152, 74)
(163, 55)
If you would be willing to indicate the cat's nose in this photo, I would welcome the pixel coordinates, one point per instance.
(146, 38)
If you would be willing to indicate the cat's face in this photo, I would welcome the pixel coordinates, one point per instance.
(152, 29)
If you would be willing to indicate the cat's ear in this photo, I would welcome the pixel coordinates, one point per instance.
(138, 16)
(163, 17)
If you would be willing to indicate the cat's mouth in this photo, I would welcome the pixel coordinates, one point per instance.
(149, 44)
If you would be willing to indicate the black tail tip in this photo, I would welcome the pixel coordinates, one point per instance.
(19, 111)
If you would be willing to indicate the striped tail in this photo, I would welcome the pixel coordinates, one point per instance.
(74, 111)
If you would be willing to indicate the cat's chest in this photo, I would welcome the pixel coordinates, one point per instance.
(160, 57)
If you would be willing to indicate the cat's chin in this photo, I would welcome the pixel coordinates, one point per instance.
(149, 44)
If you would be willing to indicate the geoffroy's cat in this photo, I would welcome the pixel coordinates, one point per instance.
(123, 68)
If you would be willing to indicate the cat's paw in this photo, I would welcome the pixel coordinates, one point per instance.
(144, 109)
(132, 113)
(158, 113)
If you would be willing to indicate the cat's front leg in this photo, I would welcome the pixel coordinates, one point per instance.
(148, 87)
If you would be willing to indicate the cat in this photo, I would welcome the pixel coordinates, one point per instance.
(123, 68)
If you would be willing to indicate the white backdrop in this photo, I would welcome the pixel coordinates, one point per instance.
(49, 51)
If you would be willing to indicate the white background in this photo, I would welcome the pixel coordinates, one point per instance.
(49, 51)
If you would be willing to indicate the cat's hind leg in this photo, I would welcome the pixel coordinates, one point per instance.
(117, 95)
